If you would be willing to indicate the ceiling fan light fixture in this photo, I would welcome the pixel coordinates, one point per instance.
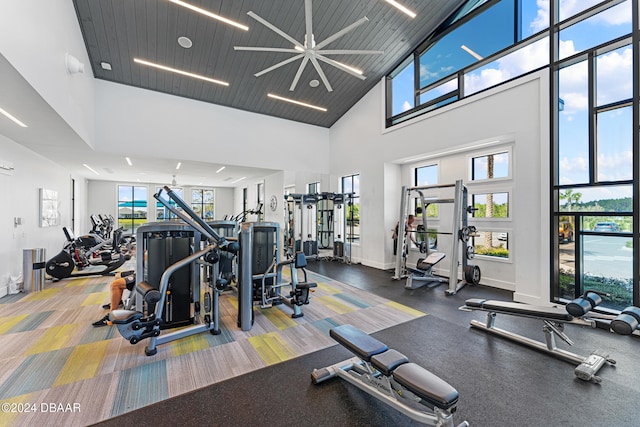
(293, 101)
(401, 8)
(210, 14)
(309, 51)
(181, 72)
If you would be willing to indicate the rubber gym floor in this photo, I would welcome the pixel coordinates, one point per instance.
(500, 383)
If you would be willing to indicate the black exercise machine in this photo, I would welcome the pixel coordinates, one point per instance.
(136, 325)
(85, 252)
(387, 375)
(260, 268)
(578, 312)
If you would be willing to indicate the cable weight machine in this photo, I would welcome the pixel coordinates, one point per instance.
(313, 224)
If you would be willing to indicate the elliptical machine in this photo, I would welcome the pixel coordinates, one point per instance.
(86, 251)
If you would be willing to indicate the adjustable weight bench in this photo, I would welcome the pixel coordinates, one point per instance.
(423, 275)
(387, 375)
(554, 318)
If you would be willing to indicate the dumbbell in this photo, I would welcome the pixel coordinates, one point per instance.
(582, 305)
(627, 321)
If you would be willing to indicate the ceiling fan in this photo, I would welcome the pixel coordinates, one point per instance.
(309, 51)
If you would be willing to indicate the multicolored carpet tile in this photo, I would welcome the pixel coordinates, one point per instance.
(60, 370)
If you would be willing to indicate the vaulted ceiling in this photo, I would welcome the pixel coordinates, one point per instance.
(117, 31)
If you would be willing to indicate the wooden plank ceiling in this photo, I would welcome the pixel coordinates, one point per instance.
(116, 31)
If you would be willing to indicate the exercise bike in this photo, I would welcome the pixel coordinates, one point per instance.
(86, 251)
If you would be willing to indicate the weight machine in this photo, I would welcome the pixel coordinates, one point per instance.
(302, 230)
(183, 248)
(460, 252)
(228, 263)
(260, 273)
(318, 224)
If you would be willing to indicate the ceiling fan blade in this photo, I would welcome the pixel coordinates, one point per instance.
(350, 52)
(265, 49)
(299, 73)
(279, 64)
(324, 79)
(275, 29)
(308, 16)
(342, 32)
(340, 66)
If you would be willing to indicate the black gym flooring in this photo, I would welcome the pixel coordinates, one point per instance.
(500, 383)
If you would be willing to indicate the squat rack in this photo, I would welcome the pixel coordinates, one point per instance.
(460, 232)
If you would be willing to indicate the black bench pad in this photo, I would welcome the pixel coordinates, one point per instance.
(150, 294)
(429, 261)
(551, 313)
(358, 342)
(387, 361)
(426, 385)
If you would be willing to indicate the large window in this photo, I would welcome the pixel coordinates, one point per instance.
(162, 213)
(425, 176)
(596, 243)
(427, 79)
(202, 203)
(260, 199)
(132, 207)
(351, 184)
(490, 166)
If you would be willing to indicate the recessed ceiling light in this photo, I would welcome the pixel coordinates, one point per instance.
(128, 161)
(221, 169)
(185, 42)
(210, 14)
(178, 165)
(293, 101)
(13, 119)
(174, 70)
(105, 66)
(314, 83)
(239, 179)
(401, 8)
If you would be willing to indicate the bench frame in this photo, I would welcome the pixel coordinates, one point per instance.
(362, 374)
(553, 319)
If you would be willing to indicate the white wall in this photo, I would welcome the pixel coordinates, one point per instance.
(35, 35)
(21, 193)
(145, 123)
(516, 112)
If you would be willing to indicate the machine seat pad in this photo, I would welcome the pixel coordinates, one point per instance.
(306, 285)
(426, 385)
(520, 309)
(387, 361)
(358, 342)
(432, 259)
(122, 317)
